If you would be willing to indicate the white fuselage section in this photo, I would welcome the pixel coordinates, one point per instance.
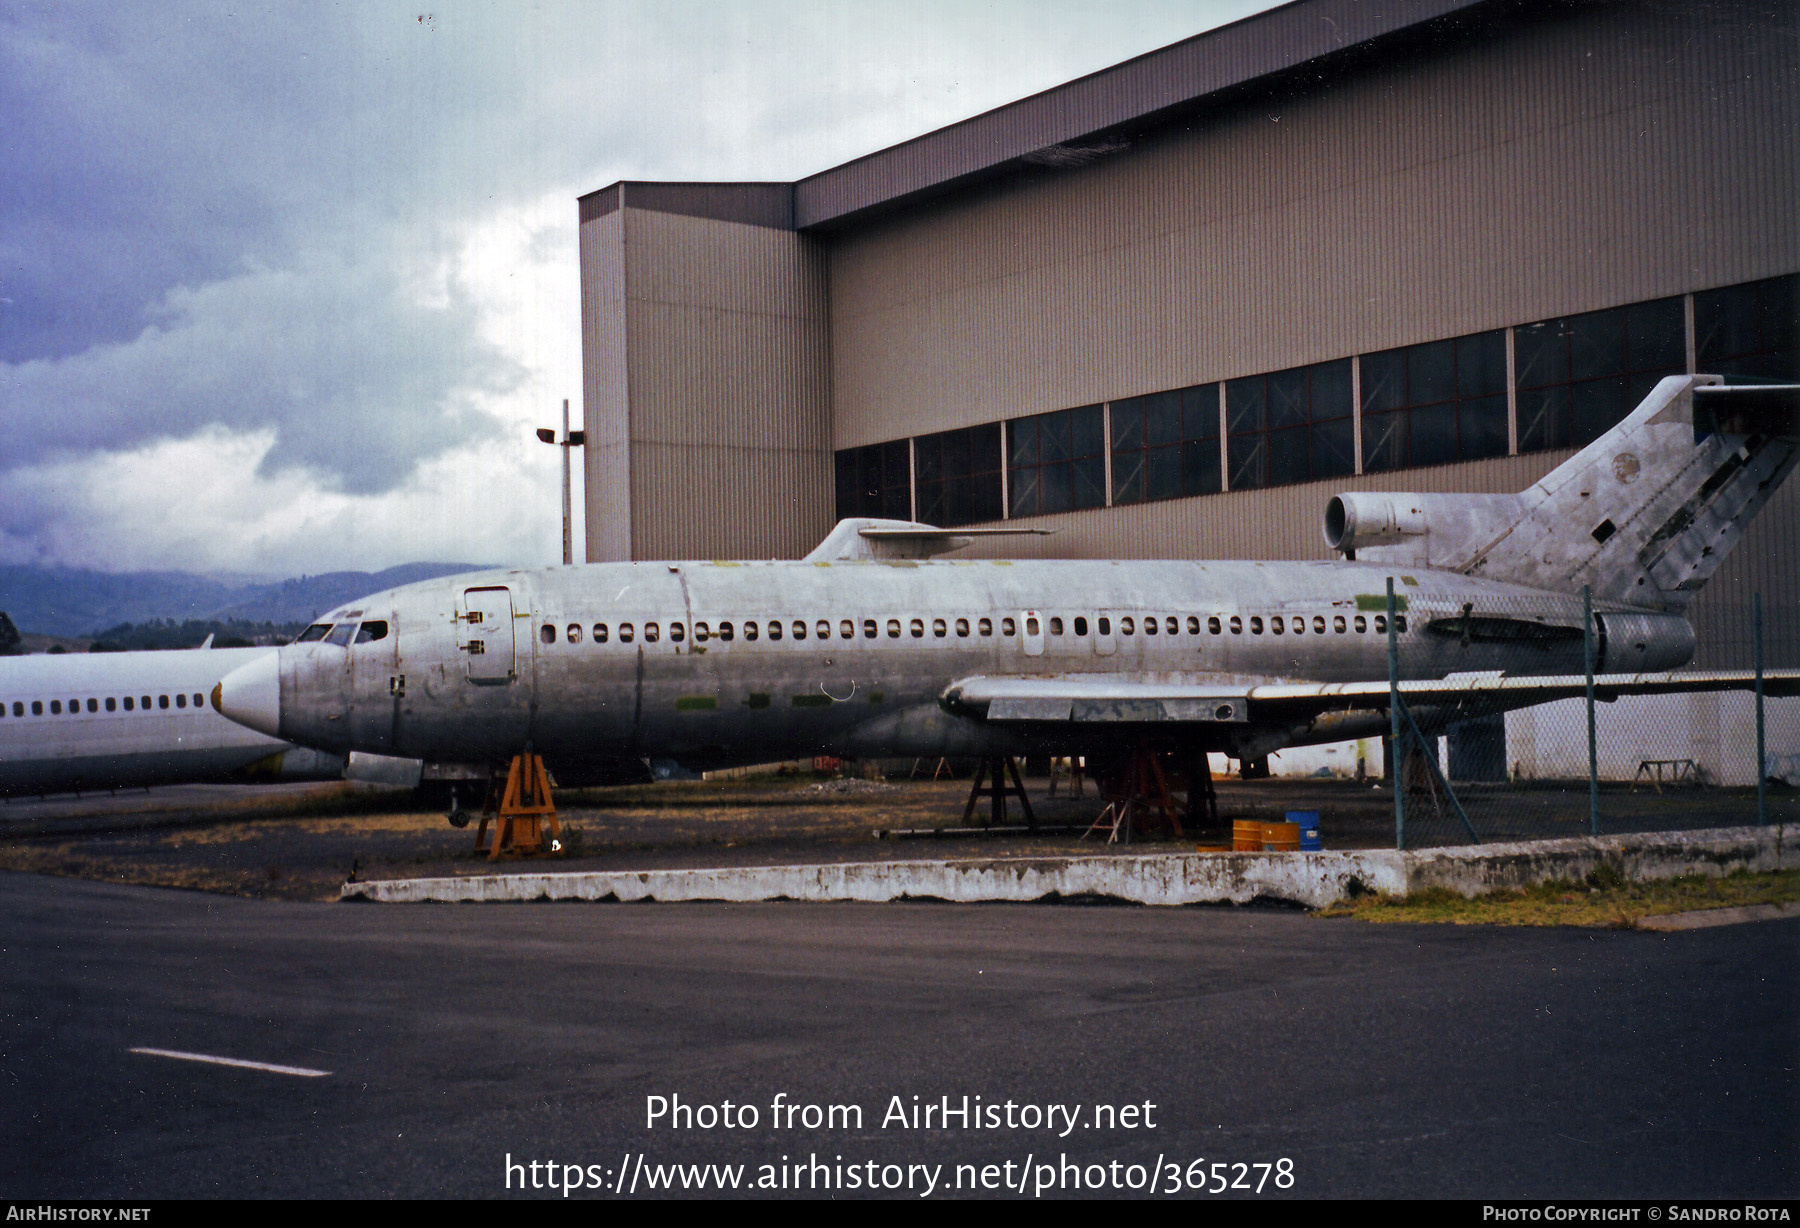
(105, 720)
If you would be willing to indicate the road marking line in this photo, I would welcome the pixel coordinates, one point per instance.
(302, 1071)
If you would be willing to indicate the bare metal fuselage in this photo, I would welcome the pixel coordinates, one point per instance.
(729, 663)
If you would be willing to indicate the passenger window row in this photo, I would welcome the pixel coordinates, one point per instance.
(964, 628)
(130, 703)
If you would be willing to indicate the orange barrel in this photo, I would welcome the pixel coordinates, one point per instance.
(1246, 836)
(1281, 837)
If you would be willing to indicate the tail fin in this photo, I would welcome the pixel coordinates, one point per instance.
(1644, 514)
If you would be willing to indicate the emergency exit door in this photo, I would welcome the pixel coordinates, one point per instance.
(484, 633)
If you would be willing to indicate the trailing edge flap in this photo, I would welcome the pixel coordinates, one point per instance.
(1237, 700)
(860, 539)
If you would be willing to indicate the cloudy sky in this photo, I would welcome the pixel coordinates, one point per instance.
(286, 289)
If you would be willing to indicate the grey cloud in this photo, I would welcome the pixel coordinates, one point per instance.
(359, 378)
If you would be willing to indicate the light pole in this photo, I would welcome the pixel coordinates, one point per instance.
(570, 439)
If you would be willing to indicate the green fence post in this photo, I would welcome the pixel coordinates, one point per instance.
(1587, 642)
(1395, 746)
(1762, 759)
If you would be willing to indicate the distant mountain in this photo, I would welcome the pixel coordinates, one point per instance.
(74, 602)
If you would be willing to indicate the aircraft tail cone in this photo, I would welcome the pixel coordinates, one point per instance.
(251, 695)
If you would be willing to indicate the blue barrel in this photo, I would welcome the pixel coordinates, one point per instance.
(1309, 829)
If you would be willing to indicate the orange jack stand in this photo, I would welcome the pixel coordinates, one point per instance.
(998, 766)
(1140, 790)
(524, 810)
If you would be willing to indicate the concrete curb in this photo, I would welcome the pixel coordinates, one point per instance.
(1310, 879)
(1708, 918)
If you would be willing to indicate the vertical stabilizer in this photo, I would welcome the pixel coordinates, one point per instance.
(1647, 512)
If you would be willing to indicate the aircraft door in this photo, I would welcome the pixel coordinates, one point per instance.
(484, 631)
(1031, 628)
(1106, 630)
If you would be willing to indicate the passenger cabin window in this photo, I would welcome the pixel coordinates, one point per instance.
(1103, 625)
(181, 701)
(93, 705)
(162, 701)
(37, 707)
(702, 632)
(847, 629)
(199, 702)
(128, 703)
(677, 633)
(317, 631)
(1008, 627)
(962, 628)
(918, 628)
(1080, 625)
(823, 629)
(1337, 624)
(1150, 625)
(376, 629)
(340, 635)
(893, 628)
(652, 632)
(1256, 626)
(1031, 627)
(547, 633)
(774, 630)
(112, 705)
(725, 631)
(626, 633)
(1214, 625)
(1276, 626)
(799, 628)
(752, 630)
(56, 707)
(599, 633)
(1193, 624)
(868, 628)
(1055, 625)
(1381, 624)
(1362, 624)
(1127, 626)
(572, 632)
(145, 702)
(1237, 625)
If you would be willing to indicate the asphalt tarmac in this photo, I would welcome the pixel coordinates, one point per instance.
(1376, 1060)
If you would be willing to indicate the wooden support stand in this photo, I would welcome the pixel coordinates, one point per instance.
(997, 767)
(1140, 792)
(520, 814)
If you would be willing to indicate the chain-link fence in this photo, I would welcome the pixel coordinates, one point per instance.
(1604, 760)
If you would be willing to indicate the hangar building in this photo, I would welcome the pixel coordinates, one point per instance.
(1170, 308)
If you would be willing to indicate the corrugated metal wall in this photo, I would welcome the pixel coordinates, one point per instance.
(711, 388)
(1599, 156)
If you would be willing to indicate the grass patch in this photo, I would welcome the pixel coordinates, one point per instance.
(1604, 898)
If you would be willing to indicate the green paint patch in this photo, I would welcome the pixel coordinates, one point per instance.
(696, 703)
(1603, 898)
(812, 701)
(756, 699)
(1377, 602)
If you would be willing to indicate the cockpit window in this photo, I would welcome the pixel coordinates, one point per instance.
(317, 631)
(374, 629)
(340, 634)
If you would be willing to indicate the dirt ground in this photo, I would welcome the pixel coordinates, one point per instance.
(302, 844)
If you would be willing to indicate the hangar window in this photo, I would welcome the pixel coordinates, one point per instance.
(846, 629)
(1008, 627)
(751, 629)
(572, 633)
(725, 631)
(547, 633)
(985, 626)
(1752, 329)
(1080, 625)
(599, 633)
(774, 629)
(652, 633)
(1435, 403)
(112, 705)
(677, 633)
(868, 628)
(1579, 376)
(918, 628)
(626, 632)
(875, 481)
(893, 628)
(1214, 625)
(377, 629)
(939, 628)
(1056, 462)
(958, 475)
(317, 631)
(1166, 445)
(1290, 426)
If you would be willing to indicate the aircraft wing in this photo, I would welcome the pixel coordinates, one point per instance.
(1215, 700)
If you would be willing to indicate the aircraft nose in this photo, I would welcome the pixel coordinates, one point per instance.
(251, 695)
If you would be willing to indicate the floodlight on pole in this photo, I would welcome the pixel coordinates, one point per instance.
(570, 439)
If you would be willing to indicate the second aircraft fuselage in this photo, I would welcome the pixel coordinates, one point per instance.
(719, 663)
